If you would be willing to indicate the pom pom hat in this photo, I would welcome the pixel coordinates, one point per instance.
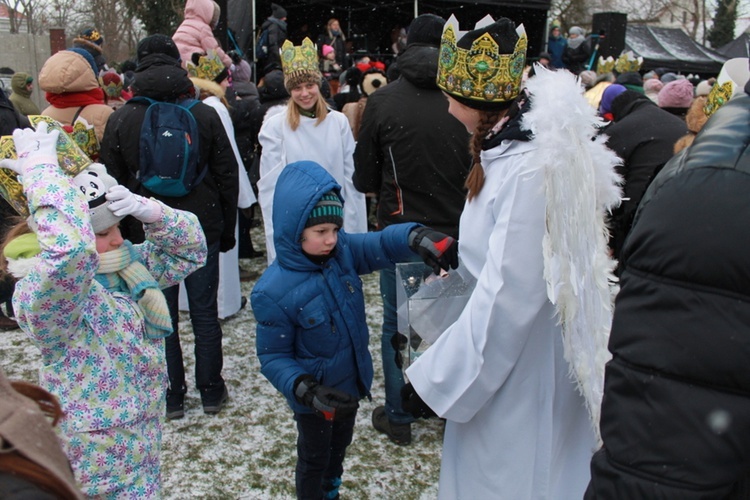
(482, 68)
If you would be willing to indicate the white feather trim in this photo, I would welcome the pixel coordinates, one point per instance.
(18, 268)
(581, 187)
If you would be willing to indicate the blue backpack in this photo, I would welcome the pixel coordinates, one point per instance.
(169, 148)
(261, 45)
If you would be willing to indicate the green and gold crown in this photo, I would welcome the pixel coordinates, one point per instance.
(627, 62)
(730, 82)
(69, 155)
(480, 73)
(209, 67)
(604, 66)
(302, 58)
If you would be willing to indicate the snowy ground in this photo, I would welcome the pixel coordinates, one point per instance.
(248, 450)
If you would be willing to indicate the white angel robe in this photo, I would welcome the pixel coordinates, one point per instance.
(229, 294)
(516, 426)
(329, 144)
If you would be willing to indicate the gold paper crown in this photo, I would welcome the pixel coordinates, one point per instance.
(604, 66)
(730, 82)
(480, 73)
(627, 62)
(209, 67)
(302, 58)
(69, 155)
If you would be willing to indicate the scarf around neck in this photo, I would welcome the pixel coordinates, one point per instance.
(76, 99)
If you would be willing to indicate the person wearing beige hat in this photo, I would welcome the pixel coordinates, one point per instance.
(32, 462)
(92, 303)
(308, 130)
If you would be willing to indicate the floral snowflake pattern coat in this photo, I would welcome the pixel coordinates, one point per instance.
(109, 377)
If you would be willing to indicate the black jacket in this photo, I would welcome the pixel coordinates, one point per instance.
(411, 151)
(676, 411)
(577, 59)
(214, 200)
(276, 37)
(643, 136)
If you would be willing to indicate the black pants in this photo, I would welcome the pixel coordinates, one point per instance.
(321, 448)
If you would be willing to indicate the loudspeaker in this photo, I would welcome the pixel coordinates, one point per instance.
(611, 27)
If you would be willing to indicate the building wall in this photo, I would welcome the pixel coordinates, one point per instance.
(27, 53)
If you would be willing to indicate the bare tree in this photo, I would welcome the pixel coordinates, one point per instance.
(20, 11)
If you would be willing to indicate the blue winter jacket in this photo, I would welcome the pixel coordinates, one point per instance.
(311, 317)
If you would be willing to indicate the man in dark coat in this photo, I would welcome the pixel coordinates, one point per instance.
(413, 154)
(276, 26)
(643, 136)
(160, 77)
(675, 417)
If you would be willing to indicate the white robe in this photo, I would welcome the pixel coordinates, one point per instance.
(229, 294)
(516, 426)
(330, 144)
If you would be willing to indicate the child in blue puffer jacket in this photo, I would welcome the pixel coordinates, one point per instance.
(312, 335)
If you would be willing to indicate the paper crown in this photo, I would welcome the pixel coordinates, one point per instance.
(480, 73)
(111, 83)
(604, 66)
(208, 67)
(627, 62)
(730, 82)
(301, 58)
(69, 155)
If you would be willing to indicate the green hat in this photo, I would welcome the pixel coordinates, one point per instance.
(328, 209)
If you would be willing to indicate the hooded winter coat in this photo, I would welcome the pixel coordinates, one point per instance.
(643, 136)
(21, 96)
(70, 76)
(411, 151)
(311, 316)
(195, 34)
(214, 200)
(676, 411)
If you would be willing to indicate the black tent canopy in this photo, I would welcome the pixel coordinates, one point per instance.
(672, 49)
(737, 47)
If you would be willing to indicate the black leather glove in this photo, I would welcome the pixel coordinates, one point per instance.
(226, 243)
(436, 249)
(331, 403)
(411, 402)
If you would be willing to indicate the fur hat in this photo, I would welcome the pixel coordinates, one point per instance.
(372, 80)
(676, 94)
(94, 182)
(157, 44)
(278, 11)
(426, 30)
(25, 430)
(90, 37)
(328, 209)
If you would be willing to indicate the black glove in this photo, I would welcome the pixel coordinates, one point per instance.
(226, 243)
(436, 249)
(398, 342)
(331, 403)
(411, 402)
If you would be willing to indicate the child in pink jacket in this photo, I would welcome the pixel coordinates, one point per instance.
(195, 34)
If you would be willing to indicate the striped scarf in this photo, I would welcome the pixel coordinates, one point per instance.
(122, 265)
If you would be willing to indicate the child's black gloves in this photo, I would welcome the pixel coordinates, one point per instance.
(436, 249)
(411, 402)
(331, 403)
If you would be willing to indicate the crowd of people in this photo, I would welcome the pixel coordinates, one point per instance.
(599, 209)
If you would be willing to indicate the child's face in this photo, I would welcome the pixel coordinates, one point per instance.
(320, 239)
(109, 239)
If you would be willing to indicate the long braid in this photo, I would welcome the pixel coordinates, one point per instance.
(475, 180)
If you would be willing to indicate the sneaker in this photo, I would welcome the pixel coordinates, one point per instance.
(398, 433)
(7, 324)
(213, 409)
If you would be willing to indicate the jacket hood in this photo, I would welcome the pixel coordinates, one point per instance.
(418, 64)
(18, 84)
(162, 78)
(199, 9)
(67, 71)
(299, 188)
(625, 103)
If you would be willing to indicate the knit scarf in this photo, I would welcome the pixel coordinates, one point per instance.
(76, 99)
(121, 265)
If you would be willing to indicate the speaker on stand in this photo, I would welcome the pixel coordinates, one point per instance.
(610, 28)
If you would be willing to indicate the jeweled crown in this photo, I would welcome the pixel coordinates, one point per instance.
(627, 62)
(208, 68)
(604, 66)
(480, 73)
(299, 58)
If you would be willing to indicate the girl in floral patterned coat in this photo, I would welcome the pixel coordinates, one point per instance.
(92, 304)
